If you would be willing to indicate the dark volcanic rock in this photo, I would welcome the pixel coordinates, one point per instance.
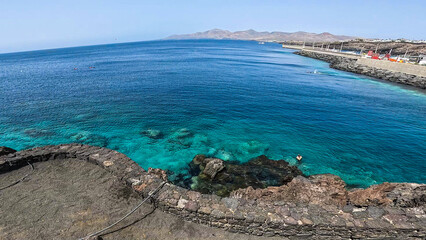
(213, 175)
(398, 194)
(376, 195)
(322, 189)
(213, 167)
(329, 189)
(158, 172)
(6, 151)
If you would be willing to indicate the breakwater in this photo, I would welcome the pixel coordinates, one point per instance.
(394, 72)
(317, 207)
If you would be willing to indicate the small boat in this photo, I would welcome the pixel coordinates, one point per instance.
(261, 43)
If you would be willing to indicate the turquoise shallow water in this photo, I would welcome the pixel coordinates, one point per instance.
(230, 99)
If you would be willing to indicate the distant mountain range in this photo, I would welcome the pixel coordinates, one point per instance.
(264, 36)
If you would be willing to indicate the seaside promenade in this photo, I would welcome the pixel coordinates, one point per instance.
(318, 50)
(403, 73)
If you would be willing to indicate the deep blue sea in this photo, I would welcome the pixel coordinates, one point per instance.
(163, 102)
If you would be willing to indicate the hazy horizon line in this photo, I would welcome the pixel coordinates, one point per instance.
(165, 39)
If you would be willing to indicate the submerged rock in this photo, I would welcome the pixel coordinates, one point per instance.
(152, 133)
(253, 147)
(6, 151)
(198, 159)
(213, 175)
(182, 137)
(183, 133)
(35, 133)
(90, 139)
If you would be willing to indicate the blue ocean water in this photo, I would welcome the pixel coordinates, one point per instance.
(163, 102)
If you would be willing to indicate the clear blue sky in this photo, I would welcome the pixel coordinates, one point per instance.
(40, 24)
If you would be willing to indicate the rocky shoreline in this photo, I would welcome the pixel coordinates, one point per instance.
(316, 207)
(353, 65)
(398, 48)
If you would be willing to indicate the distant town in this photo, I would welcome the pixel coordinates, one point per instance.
(379, 49)
(397, 50)
(400, 40)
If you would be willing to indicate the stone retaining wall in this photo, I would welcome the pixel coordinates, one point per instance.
(252, 216)
(382, 71)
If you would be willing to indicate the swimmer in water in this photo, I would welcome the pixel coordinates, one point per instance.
(314, 72)
(299, 158)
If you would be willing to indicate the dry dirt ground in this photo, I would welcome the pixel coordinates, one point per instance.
(68, 199)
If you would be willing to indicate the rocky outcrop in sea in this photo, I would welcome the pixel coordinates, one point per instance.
(213, 175)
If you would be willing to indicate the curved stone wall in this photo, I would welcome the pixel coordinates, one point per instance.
(359, 66)
(254, 214)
